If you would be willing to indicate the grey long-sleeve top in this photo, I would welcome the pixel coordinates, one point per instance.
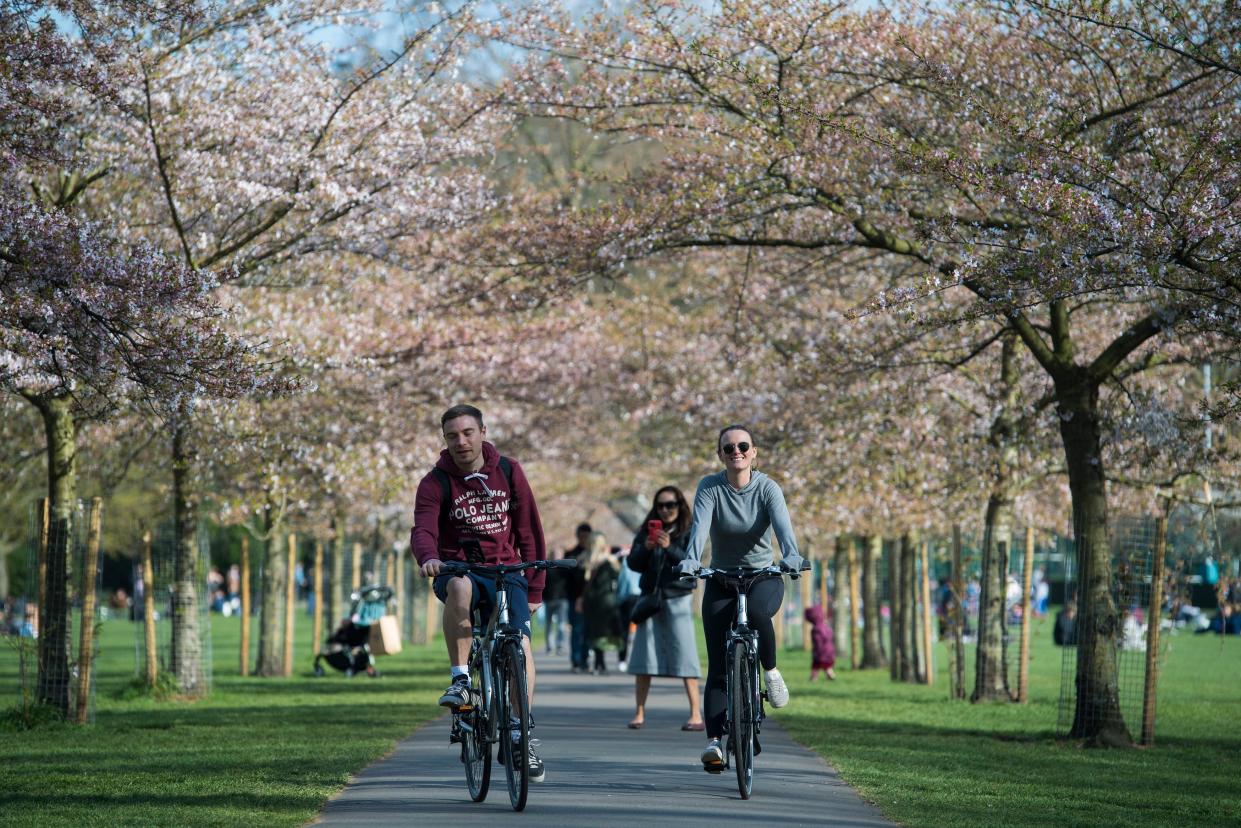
(740, 522)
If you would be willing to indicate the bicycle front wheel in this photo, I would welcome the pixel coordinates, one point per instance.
(476, 723)
(476, 752)
(741, 715)
(514, 714)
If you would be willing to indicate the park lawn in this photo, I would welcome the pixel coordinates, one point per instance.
(928, 761)
(258, 752)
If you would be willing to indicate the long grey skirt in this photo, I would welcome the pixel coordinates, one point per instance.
(666, 644)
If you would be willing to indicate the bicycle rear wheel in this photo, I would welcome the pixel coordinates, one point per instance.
(741, 714)
(514, 707)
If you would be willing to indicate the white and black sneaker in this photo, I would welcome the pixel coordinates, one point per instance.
(457, 694)
(537, 772)
(777, 690)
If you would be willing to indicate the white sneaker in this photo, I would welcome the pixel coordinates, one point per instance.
(777, 690)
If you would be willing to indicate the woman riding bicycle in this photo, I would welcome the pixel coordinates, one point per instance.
(738, 508)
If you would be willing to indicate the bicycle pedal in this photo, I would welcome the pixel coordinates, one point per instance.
(465, 708)
(714, 770)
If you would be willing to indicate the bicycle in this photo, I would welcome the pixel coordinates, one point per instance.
(745, 699)
(498, 693)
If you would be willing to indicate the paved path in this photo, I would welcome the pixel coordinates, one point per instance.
(599, 773)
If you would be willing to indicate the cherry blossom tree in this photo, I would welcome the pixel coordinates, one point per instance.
(237, 145)
(1059, 180)
(89, 318)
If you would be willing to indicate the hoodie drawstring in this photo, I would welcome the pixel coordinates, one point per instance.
(482, 477)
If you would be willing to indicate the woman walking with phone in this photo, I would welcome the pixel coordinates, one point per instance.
(738, 508)
(665, 643)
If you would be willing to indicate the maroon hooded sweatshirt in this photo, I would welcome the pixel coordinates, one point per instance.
(506, 524)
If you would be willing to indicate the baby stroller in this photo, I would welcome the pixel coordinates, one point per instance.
(347, 649)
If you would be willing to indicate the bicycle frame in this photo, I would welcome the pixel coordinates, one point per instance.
(494, 651)
(498, 629)
(741, 635)
(742, 640)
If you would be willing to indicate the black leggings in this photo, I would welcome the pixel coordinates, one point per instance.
(719, 610)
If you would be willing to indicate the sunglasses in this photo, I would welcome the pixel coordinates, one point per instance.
(666, 504)
(727, 448)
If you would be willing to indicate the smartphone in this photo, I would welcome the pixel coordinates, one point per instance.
(653, 528)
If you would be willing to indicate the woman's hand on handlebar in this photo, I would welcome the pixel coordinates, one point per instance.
(432, 568)
(687, 568)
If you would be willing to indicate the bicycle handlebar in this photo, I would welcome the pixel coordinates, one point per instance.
(463, 567)
(743, 573)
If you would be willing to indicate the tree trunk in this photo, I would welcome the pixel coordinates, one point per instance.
(54, 626)
(909, 611)
(187, 651)
(957, 617)
(872, 643)
(990, 668)
(1097, 717)
(990, 672)
(894, 611)
(316, 634)
(86, 635)
(338, 588)
(290, 606)
(840, 596)
(4, 569)
(855, 605)
(271, 613)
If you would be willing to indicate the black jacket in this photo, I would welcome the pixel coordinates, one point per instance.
(575, 579)
(655, 566)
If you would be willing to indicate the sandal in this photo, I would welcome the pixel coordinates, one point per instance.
(635, 725)
(695, 726)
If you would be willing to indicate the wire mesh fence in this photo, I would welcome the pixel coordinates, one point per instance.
(1130, 616)
(288, 573)
(171, 587)
(51, 626)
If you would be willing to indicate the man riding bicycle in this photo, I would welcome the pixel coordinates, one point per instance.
(474, 499)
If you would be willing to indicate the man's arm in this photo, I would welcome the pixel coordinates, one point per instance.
(424, 538)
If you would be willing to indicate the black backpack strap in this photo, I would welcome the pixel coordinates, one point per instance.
(445, 486)
(506, 466)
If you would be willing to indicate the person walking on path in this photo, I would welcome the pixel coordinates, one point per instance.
(477, 503)
(556, 609)
(627, 591)
(822, 643)
(575, 582)
(665, 644)
(738, 508)
(599, 600)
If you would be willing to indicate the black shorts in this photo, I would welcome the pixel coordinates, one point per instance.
(484, 597)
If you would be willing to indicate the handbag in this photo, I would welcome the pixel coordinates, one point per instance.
(647, 605)
(650, 603)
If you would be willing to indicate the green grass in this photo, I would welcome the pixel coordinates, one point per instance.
(258, 752)
(928, 761)
(271, 751)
